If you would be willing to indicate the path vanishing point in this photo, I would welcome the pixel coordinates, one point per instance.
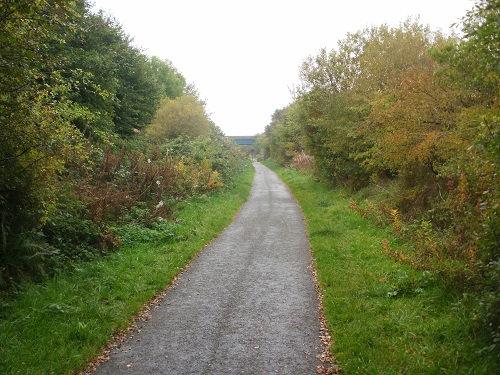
(246, 305)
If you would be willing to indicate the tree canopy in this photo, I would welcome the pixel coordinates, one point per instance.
(181, 116)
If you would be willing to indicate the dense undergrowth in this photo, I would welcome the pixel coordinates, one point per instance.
(138, 184)
(59, 325)
(385, 315)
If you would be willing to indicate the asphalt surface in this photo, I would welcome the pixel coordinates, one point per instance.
(247, 304)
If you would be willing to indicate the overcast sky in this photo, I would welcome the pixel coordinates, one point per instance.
(244, 56)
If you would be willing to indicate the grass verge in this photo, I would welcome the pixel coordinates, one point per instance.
(384, 317)
(58, 326)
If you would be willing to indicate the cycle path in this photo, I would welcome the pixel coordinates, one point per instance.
(246, 305)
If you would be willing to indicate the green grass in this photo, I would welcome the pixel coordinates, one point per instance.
(58, 326)
(384, 317)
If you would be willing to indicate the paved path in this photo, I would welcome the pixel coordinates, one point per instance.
(247, 304)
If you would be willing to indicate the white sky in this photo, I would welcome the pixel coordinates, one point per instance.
(244, 56)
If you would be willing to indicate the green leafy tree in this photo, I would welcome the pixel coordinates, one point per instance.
(138, 96)
(91, 61)
(332, 111)
(283, 136)
(184, 115)
(171, 81)
(112, 78)
(36, 130)
(480, 26)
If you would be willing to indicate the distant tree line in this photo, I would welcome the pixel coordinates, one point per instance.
(89, 138)
(411, 117)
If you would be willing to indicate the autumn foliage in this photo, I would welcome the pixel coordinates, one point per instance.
(411, 116)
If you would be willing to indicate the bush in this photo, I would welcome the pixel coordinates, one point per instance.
(76, 237)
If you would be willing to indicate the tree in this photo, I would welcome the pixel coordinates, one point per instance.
(411, 114)
(184, 115)
(283, 136)
(112, 78)
(172, 83)
(480, 26)
(138, 96)
(332, 112)
(90, 59)
(36, 130)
